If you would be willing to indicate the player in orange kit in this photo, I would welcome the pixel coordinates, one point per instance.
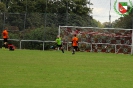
(74, 44)
(5, 37)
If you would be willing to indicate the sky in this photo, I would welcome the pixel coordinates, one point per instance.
(101, 9)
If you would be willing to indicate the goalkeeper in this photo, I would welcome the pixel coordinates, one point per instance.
(59, 43)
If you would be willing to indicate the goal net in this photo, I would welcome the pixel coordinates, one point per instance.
(91, 39)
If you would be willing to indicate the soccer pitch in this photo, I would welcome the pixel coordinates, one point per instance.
(53, 69)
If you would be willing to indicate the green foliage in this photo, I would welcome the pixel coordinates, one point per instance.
(34, 20)
(2, 7)
(47, 33)
(42, 34)
(78, 20)
(16, 20)
(106, 24)
(60, 6)
(34, 13)
(14, 35)
(40, 6)
(96, 23)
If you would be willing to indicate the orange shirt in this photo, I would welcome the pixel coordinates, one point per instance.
(5, 34)
(74, 41)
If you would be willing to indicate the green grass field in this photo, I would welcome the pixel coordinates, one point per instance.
(53, 69)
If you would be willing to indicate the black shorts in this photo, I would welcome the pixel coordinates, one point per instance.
(5, 39)
(75, 47)
(59, 45)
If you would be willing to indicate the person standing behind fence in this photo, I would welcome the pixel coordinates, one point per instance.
(74, 44)
(5, 37)
(59, 43)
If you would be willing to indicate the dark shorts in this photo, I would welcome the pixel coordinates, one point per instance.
(75, 47)
(59, 45)
(5, 39)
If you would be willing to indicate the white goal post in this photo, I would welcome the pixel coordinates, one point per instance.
(93, 39)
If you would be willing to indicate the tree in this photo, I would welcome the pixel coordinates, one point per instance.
(106, 24)
(66, 12)
(2, 7)
(78, 7)
(95, 23)
(49, 34)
